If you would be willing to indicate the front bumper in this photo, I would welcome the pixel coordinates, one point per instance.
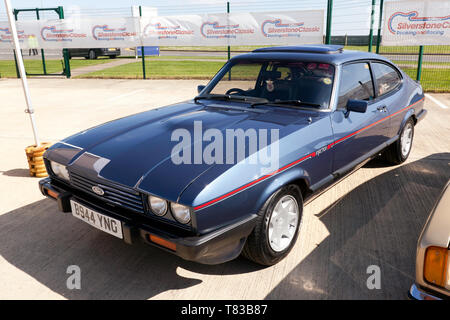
(107, 52)
(416, 293)
(215, 247)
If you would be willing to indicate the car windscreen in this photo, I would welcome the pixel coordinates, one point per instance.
(275, 81)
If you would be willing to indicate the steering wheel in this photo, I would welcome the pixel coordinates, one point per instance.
(236, 90)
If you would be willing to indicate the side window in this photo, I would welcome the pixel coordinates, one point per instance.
(356, 83)
(387, 78)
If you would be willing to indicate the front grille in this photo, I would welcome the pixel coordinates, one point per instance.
(117, 195)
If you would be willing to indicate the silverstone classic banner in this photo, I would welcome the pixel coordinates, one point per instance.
(293, 27)
(74, 33)
(417, 22)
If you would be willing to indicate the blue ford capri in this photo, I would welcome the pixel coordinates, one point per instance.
(228, 172)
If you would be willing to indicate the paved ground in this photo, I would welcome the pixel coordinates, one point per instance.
(101, 66)
(373, 217)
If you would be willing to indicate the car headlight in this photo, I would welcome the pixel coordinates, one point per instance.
(157, 205)
(59, 170)
(181, 213)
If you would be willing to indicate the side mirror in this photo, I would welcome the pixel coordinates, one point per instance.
(200, 88)
(356, 106)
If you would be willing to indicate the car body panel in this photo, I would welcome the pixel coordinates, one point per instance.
(436, 232)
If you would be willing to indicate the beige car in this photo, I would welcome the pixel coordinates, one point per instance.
(433, 259)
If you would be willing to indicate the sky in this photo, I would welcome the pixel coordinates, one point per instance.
(349, 16)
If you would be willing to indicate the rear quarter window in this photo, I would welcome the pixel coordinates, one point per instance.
(387, 78)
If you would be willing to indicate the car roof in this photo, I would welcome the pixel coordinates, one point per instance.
(333, 54)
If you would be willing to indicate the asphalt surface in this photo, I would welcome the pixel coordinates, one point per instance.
(373, 217)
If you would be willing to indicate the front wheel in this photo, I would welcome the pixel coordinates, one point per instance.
(276, 228)
(399, 151)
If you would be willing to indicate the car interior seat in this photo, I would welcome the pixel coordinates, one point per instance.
(275, 88)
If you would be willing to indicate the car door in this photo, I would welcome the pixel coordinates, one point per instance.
(357, 135)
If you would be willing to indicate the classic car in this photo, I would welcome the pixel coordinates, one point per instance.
(327, 112)
(433, 258)
(93, 53)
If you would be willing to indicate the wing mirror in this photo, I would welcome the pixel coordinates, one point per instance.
(359, 106)
(200, 88)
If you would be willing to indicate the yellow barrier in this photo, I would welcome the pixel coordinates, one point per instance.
(36, 160)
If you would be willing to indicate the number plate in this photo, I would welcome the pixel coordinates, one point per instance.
(98, 220)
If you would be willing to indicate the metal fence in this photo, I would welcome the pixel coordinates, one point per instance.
(348, 23)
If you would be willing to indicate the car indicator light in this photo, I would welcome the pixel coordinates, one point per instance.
(52, 193)
(436, 266)
(163, 242)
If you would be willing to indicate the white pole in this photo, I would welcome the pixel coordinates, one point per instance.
(23, 75)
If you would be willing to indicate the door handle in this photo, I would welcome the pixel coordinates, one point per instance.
(382, 109)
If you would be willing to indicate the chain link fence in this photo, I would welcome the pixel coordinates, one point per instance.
(351, 24)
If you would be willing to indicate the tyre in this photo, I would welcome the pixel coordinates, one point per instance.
(399, 151)
(276, 227)
(113, 57)
(92, 55)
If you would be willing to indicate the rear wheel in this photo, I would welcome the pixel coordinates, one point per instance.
(276, 228)
(399, 151)
(92, 55)
(113, 57)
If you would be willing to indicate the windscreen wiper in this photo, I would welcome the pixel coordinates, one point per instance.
(291, 103)
(221, 97)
